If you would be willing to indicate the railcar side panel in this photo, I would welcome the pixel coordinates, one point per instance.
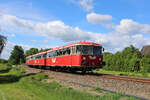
(76, 60)
(59, 61)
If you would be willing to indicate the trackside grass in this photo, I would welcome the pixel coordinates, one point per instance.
(135, 74)
(4, 68)
(97, 89)
(34, 87)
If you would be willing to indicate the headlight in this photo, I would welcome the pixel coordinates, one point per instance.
(84, 58)
(100, 59)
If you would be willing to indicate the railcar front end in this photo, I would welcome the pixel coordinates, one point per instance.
(87, 57)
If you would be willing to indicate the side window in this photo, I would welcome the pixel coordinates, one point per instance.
(63, 52)
(68, 51)
(44, 55)
(78, 49)
(49, 55)
(54, 53)
(74, 50)
(59, 52)
(36, 57)
(33, 58)
(40, 57)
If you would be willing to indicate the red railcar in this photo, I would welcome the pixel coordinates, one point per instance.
(83, 56)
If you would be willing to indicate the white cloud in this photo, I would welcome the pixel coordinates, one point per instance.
(128, 26)
(86, 4)
(127, 33)
(98, 18)
(0, 28)
(53, 29)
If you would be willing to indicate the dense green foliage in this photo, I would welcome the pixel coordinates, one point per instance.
(41, 50)
(16, 85)
(129, 60)
(31, 51)
(17, 56)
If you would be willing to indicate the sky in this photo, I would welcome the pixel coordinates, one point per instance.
(115, 24)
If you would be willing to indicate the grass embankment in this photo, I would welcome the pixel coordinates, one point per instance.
(15, 85)
(118, 73)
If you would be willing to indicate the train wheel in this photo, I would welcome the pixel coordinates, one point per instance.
(83, 71)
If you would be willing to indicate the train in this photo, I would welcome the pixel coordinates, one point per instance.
(79, 56)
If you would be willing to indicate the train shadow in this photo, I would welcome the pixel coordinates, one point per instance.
(78, 72)
(70, 71)
(4, 79)
(87, 73)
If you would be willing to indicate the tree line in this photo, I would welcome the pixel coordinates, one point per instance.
(128, 60)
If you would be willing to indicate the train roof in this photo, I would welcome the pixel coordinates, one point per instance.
(75, 44)
(69, 45)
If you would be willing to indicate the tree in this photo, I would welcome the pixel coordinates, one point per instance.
(31, 51)
(145, 64)
(41, 50)
(2, 42)
(17, 55)
(128, 60)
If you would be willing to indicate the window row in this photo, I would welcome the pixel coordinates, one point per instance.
(63, 52)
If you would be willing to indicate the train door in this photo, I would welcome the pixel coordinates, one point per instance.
(75, 58)
(44, 59)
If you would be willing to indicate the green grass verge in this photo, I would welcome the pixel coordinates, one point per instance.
(135, 74)
(97, 89)
(4, 68)
(35, 87)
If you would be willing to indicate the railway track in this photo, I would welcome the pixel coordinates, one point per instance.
(98, 75)
(125, 78)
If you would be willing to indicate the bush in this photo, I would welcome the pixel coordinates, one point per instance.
(3, 61)
(36, 77)
(4, 67)
(17, 70)
(40, 76)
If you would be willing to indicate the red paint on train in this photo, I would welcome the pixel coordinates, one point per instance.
(76, 55)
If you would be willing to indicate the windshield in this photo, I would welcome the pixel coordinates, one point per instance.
(97, 50)
(90, 50)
